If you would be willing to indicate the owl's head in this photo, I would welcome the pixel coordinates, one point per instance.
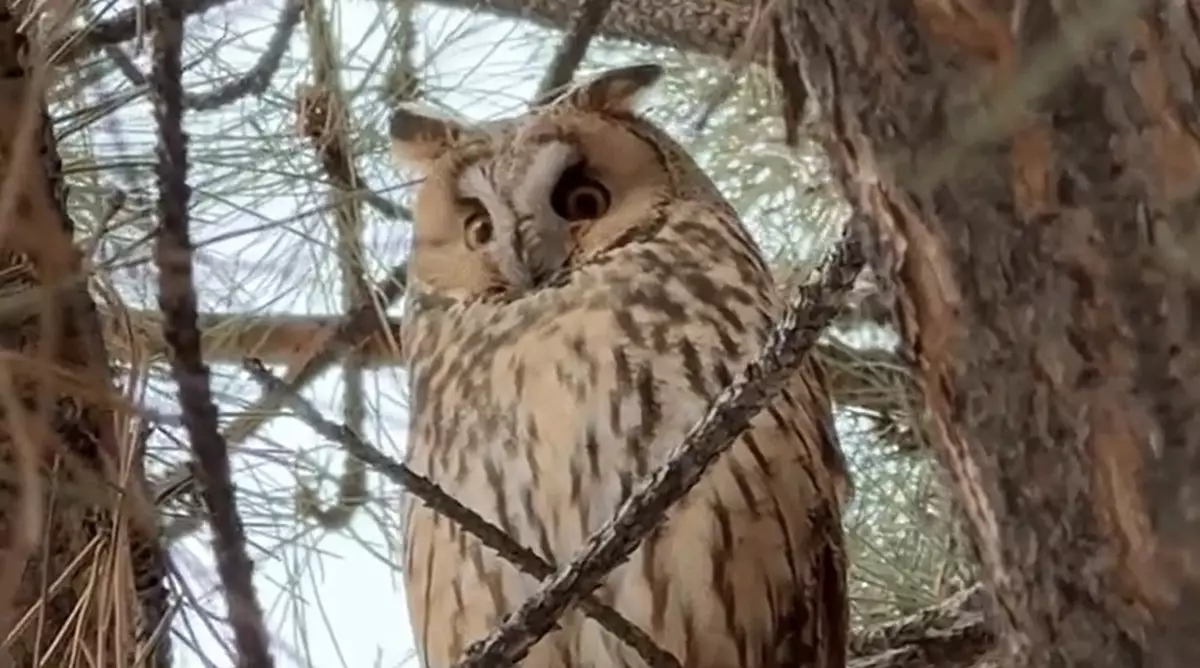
(506, 205)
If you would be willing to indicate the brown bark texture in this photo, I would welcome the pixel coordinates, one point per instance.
(68, 593)
(1032, 173)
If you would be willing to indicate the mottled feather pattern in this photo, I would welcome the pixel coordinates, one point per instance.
(540, 406)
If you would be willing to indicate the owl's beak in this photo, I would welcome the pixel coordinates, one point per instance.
(511, 261)
(532, 249)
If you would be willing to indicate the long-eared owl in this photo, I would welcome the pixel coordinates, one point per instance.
(579, 292)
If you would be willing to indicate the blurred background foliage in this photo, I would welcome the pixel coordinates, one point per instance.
(265, 216)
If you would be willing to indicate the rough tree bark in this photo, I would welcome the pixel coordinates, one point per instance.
(72, 555)
(1040, 256)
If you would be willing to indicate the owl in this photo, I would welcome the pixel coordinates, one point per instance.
(579, 292)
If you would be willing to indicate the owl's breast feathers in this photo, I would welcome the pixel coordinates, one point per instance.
(542, 412)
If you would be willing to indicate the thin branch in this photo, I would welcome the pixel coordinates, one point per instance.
(871, 381)
(729, 415)
(356, 326)
(312, 108)
(255, 81)
(322, 349)
(951, 633)
(436, 499)
(177, 299)
(123, 27)
(326, 121)
(574, 45)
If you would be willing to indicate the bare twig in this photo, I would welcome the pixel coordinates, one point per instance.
(433, 497)
(574, 45)
(254, 82)
(730, 413)
(177, 299)
(121, 28)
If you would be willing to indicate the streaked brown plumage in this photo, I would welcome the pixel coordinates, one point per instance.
(579, 292)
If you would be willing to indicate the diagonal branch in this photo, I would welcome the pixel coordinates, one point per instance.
(433, 497)
(813, 308)
(574, 45)
(315, 352)
(177, 299)
(951, 633)
(873, 383)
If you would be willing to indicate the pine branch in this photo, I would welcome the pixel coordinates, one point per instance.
(325, 345)
(951, 634)
(325, 119)
(864, 380)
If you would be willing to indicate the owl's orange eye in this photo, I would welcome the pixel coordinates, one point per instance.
(477, 231)
(578, 196)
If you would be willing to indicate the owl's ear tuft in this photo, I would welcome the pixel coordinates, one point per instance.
(419, 136)
(612, 90)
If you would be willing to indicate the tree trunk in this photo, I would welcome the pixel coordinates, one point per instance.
(73, 562)
(1029, 175)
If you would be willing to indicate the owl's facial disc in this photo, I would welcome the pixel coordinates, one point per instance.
(533, 203)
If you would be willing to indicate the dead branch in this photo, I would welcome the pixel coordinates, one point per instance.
(432, 496)
(807, 316)
(951, 634)
(866, 379)
(177, 300)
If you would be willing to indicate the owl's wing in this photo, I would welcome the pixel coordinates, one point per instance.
(831, 635)
(820, 616)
